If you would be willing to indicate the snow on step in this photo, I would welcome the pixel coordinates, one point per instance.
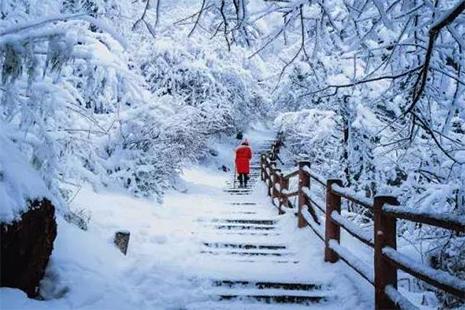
(237, 292)
(244, 220)
(275, 285)
(251, 258)
(243, 227)
(245, 246)
(249, 305)
(271, 291)
(261, 252)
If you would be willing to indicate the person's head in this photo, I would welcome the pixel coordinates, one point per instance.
(245, 142)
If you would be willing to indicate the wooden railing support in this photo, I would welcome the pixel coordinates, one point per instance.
(283, 199)
(271, 166)
(384, 236)
(304, 181)
(262, 166)
(332, 230)
(386, 258)
(276, 180)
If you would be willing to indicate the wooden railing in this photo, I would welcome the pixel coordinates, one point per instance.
(387, 260)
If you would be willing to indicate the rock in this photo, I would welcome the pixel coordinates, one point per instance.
(213, 152)
(224, 168)
(26, 246)
(122, 240)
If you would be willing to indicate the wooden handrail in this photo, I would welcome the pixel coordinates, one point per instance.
(352, 229)
(314, 176)
(440, 279)
(291, 175)
(452, 222)
(386, 212)
(343, 192)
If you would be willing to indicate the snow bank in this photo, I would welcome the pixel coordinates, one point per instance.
(19, 182)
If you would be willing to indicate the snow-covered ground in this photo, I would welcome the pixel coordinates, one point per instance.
(164, 267)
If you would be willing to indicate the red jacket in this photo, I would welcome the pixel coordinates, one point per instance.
(243, 156)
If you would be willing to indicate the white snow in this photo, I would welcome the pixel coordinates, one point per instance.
(317, 229)
(165, 267)
(355, 262)
(19, 182)
(399, 299)
(360, 198)
(439, 276)
(316, 176)
(321, 204)
(445, 217)
(353, 228)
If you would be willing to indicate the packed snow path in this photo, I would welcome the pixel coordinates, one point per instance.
(254, 258)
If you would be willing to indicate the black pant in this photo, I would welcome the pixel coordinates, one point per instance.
(243, 178)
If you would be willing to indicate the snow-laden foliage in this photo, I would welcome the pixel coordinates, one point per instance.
(206, 78)
(61, 84)
(19, 183)
(90, 106)
(311, 134)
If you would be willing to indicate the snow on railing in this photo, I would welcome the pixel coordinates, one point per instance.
(290, 173)
(435, 277)
(314, 175)
(352, 196)
(363, 269)
(386, 211)
(448, 221)
(396, 297)
(288, 193)
(315, 201)
(311, 223)
(353, 229)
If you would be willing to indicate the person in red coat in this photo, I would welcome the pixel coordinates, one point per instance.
(243, 156)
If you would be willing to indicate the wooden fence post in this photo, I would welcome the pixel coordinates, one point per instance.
(304, 181)
(274, 191)
(332, 230)
(262, 167)
(272, 167)
(385, 236)
(283, 185)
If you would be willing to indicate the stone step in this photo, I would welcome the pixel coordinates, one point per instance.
(271, 292)
(244, 246)
(244, 227)
(251, 261)
(243, 203)
(249, 305)
(240, 221)
(263, 252)
(237, 190)
(248, 233)
(275, 285)
(272, 296)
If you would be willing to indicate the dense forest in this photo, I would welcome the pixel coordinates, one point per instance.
(123, 95)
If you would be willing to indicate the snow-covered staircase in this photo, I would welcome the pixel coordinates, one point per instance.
(253, 261)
